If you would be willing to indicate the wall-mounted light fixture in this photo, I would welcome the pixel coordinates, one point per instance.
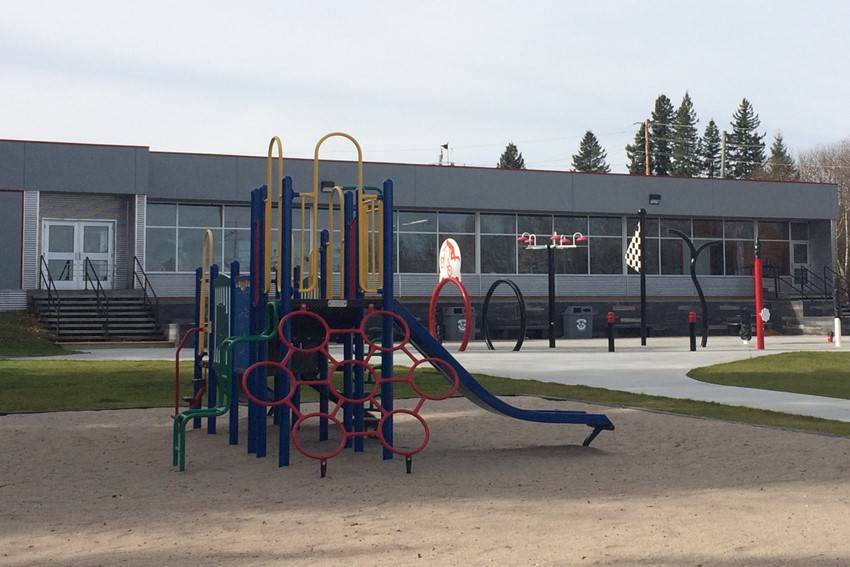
(654, 199)
(327, 186)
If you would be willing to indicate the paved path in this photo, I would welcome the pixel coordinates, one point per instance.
(659, 368)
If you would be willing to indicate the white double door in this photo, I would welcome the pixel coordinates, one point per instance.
(67, 244)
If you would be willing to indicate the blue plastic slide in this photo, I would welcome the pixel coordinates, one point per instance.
(426, 344)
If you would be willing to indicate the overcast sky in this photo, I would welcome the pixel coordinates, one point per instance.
(404, 78)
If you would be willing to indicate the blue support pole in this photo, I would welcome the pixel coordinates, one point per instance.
(285, 299)
(212, 378)
(256, 415)
(387, 333)
(199, 372)
(324, 391)
(350, 292)
(235, 330)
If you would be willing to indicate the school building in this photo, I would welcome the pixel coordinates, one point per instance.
(134, 215)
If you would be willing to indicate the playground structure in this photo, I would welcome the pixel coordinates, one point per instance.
(267, 338)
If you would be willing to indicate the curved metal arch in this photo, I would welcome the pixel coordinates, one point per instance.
(523, 317)
(276, 186)
(467, 309)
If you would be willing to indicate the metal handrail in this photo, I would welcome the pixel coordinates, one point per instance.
(840, 285)
(803, 288)
(100, 293)
(150, 299)
(52, 293)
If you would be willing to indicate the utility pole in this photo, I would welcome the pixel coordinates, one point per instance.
(646, 149)
(723, 156)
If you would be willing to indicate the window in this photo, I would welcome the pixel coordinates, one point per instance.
(605, 245)
(498, 244)
(417, 242)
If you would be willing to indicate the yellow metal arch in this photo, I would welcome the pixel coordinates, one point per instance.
(369, 208)
(207, 255)
(273, 184)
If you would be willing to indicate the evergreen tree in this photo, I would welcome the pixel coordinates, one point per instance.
(780, 165)
(745, 146)
(686, 158)
(637, 153)
(590, 156)
(511, 158)
(709, 150)
(661, 135)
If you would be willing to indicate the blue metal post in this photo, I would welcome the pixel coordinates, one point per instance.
(284, 272)
(212, 377)
(324, 391)
(387, 334)
(199, 373)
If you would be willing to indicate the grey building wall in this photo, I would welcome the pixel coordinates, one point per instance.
(230, 178)
(11, 237)
(47, 166)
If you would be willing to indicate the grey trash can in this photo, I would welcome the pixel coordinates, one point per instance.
(578, 322)
(455, 323)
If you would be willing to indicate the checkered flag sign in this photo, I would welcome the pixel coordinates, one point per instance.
(633, 251)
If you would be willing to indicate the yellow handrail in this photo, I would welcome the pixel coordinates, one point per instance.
(276, 186)
(316, 192)
(337, 191)
(204, 305)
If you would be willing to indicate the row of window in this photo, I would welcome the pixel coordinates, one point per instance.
(489, 244)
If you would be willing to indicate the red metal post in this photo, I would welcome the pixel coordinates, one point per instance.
(759, 298)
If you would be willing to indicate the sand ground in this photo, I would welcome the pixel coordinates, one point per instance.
(98, 488)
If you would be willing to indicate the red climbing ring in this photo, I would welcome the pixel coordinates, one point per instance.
(272, 403)
(436, 362)
(397, 319)
(296, 430)
(303, 313)
(369, 369)
(402, 452)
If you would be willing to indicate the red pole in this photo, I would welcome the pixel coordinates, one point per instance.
(759, 298)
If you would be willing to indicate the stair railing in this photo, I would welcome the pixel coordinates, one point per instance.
(150, 297)
(45, 281)
(840, 285)
(92, 278)
(804, 284)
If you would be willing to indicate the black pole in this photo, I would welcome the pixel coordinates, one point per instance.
(551, 252)
(694, 255)
(610, 331)
(642, 221)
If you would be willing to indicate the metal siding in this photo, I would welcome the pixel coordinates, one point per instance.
(13, 300)
(30, 259)
(139, 247)
(12, 158)
(11, 234)
(81, 168)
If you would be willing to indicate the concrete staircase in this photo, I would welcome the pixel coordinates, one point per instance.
(805, 317)
(77, 317)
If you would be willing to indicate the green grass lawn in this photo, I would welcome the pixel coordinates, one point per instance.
(52, 385)
(21, 335)
(60, 385)
(815, 373)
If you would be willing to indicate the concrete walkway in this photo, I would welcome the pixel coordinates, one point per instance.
(659, 368)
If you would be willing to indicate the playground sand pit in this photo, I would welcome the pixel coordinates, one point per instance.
(98, 488)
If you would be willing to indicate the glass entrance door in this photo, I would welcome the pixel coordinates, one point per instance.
(67, 244)
(800, 262)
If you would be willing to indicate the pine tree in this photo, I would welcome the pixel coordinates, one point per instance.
(511, 158)
(780, 165)
(745, 146)
(637, 153)
(686, 160)
(590, 156)
(709, 150)
(661, 135)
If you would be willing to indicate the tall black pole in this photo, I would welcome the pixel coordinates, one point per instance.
(642, 221)
(550, 250)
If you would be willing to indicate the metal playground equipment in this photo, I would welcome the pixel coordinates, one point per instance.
(325, 320)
